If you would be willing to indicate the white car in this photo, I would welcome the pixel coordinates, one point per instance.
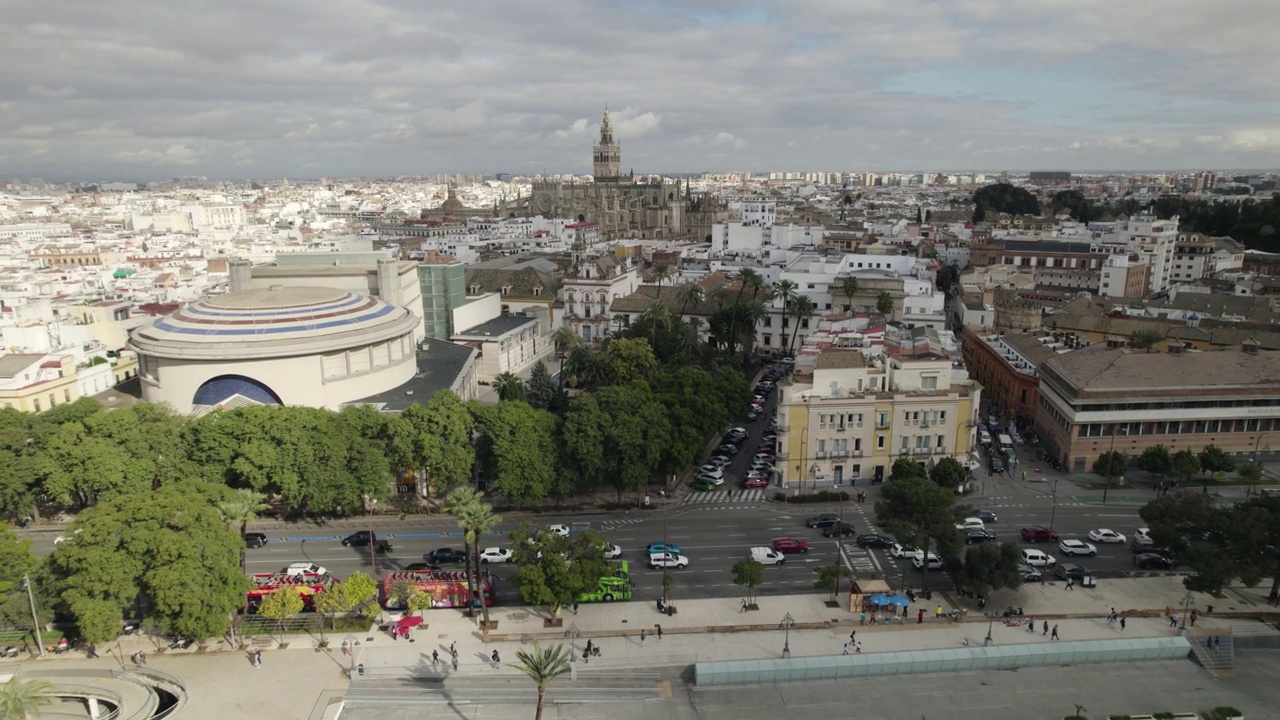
(898, 551)
(1143, 534)
(737, 432)
(763, 457)
(495, 555)
(713, 472)
(1037, 558)
(612, 552)
(935, 562)
(716, 479)
(767, 556)
(711, 467)
(1077, 547)
(561, 530)
(1103, 535)
(669, 560)
(305, 568)
(971, 523)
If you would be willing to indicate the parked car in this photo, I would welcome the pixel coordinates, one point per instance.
(970, 523)
(1143, 534)
(763, 457)
(933, 563)
(719, 460)
(494, 555)
(1028, 573)
(713, 478)
(841, 529)
(767, 556)
(657, 547)
(984, 436)
(790, 545)
(1037, 558)
(821, 521)
(736, 432)
(360, 538)
(254, 540)
(1138, 545)
(727, 449)
(986, 516)
(703, 485)
(1103, 535)
(1077, 547)
(668, 560)
(711, 467)
(1152, 561)
(1035, 533)
(871, 540)
(978, 535)
(754, 481)
(445, 556)
(997, 465)
(561, 530)
(1077, 573)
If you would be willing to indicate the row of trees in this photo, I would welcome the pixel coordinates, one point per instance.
(1184, 464)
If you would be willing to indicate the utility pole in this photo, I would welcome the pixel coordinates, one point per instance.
(35, 622)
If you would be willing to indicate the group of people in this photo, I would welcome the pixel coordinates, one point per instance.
(1114, 619)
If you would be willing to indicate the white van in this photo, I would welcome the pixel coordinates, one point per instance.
(1037, 558)
(1006, 442)
(767, 556)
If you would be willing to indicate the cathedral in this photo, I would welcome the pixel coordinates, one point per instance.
(621, 207)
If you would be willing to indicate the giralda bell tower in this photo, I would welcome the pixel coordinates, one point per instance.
(606, 155)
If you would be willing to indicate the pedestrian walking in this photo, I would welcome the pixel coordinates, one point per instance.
(93, 651)
(659, 629)
(873, 618)
(455, 662)
(575, 608)
(1192, 617)
(1070, 583)
(744, 606)
(853, 636)
(435, 657)
(1024, 474)
(1054, 635)
(497, 660)
(1121, 624)
(1031, 626)
(862, 619)
(920, 616)
(846, 649)
(937, 613)
(641, 637)
(904, 613)
(1046, 628)
(453, 650)
(857, 649)
(142, 658)
(586, 655)
(1173, 619)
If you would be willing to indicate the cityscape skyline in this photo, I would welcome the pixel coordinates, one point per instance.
(379, 89)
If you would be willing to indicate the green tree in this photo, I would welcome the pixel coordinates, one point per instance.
(1156, 460)
(541, 392)
(344, 597)
(519, 449)
(948, 473)
(906, 467)
(508, 386)
(1211, 541)
(586, 367)
(695, 410)
(829, 578)
(583, 436)
(785, 290)
(948, 278)
(1258, 532)
(1145, 339)
(565, 339)
(636, 433)
(689, 294)
(1214, 459)
(802, 310)
(281, 605)
(21, 699)
(918, 512)
(748, 574)
(543, 665)
(171, 546)
(747, 279)
(987, 567)
(1186, 465)
(555, 571)
(240, 509)
(661, 272)
(628, 360)
(1004, 198)
(884, 303)
(16, 562)
(21, 441)
(435, 440)
(1111, 464)
(1250, 472)
(476, 518)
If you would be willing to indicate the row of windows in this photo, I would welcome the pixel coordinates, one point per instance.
(1179, 405)
(1179, 427)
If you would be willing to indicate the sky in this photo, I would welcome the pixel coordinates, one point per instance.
(140, 90)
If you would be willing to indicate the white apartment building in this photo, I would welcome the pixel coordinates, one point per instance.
(1199, 256)
(1156, 240)
(35, 231)
(587, 294)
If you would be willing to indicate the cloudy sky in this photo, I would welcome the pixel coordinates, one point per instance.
(145, 89)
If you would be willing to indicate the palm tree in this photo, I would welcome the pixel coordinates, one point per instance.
(689, 294)
(622, 320)
(849, 286)
(508, 386)
(241, 509)
(746, 278)
(785, 290)
(884, 303)
(22, 699)
(564, 338)
(585, 365)
(660, 272)
(656, 315)
(753, 313)
(543, 665)
(475, 517)
(802, 310)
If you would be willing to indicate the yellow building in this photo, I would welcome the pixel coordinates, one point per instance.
(36, 382)
(844, 420)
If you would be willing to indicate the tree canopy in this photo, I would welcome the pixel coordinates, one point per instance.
(555, 571)
(1003, 198)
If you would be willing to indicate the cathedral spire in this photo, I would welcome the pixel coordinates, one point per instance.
(606, 156)
(606, 128)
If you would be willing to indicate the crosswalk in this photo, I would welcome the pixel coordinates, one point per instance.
(615, 524)
(717, 497)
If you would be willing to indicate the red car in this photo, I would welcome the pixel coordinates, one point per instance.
(755, 482)
(790, 545)
(1036, 533)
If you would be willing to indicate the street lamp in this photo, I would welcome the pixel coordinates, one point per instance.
(373, 558)
(1256, 446)
(1053, 514)
(35, 621)
(1115, 429)
(786, 624)
(573, 633)
(813, 470)
(1186, 607)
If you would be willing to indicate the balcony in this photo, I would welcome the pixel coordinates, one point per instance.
(857, 453)
(784, 427)
(821, 454)
(840, 429)
(839, 453)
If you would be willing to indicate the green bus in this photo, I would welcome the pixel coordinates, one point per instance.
(611, 587)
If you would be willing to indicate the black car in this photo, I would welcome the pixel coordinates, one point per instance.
(360, 538)
(443, 556)
(421, 566)
(872, 540)
(843, 529)
(254, 540)
(978, 535)
(727, 449)
(821, 521)
(1071, 570)
(1152, 561)
(985, 516)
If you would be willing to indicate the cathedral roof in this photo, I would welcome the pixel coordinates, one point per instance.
(523, 282)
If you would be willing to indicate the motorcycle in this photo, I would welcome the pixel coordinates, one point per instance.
(181, 643)
(382, 546)
(10, 652)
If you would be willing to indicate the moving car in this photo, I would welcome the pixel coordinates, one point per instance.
(1035, 533)
(986, 516)
(444, 556)
(360, 538)
(755, 481)
(561, 530)
(1077, 573)
(1077, 547)
(970, 523)
(1037, 559)
(1103, 535)
(978, 535)
(254, 540)
(304, 568)
(1152, 561)
(767, 556)
(820, 521)
(1143, 534)
(842, 529)
(703, 484)
(871, 540)
(790, 545)
(495, 555)
(612, 552)
(934, 562)
(997, 465)
(668, 560)
(658, 547)
(412, 567)
(898, 551)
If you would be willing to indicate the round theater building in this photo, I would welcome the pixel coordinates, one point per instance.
(313, 346)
